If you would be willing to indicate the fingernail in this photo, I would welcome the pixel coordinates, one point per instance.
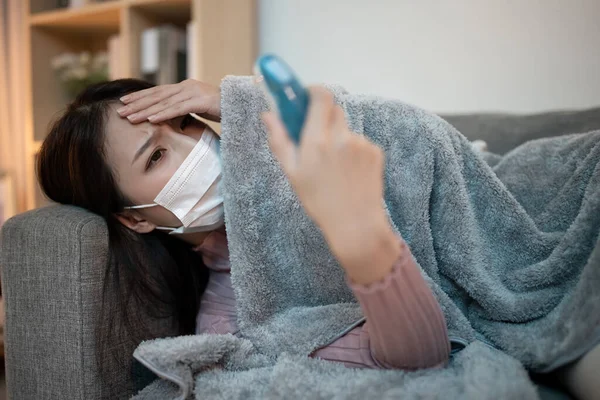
(152, 118)
(132, 117)
(121, 110)
(125, 98)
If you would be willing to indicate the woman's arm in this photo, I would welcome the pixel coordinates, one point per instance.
(405, 326)
(338, 177)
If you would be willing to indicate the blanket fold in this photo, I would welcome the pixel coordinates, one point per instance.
(510, 249)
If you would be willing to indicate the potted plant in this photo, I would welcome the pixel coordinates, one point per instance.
(76, 71)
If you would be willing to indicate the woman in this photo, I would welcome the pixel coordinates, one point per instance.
(127, 146)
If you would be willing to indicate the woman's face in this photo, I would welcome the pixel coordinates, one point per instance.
(145, 156)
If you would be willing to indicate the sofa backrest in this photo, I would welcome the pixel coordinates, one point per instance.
(504, 132)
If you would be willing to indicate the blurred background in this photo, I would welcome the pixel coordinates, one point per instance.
(451, 57)
(462, 56)
(446, 56)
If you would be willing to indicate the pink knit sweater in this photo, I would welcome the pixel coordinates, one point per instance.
(404, 327)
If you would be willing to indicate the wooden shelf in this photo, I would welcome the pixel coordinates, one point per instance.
(105, 17)
(93, 18)
(174, 11)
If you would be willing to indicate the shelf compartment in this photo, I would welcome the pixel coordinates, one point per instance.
(47, 94)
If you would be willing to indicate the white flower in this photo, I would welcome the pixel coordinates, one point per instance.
(85, 57)
(64, 60)
(76, 73)
(100, 61)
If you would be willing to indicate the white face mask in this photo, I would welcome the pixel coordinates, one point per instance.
(192, 193)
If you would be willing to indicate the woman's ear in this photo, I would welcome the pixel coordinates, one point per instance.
(135, 222)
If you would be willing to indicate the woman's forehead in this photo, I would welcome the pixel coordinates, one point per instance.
(120, 128)
(123, 137)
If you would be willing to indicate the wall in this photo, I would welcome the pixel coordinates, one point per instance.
(443, 55)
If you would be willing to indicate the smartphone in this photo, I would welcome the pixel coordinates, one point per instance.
(287, 94)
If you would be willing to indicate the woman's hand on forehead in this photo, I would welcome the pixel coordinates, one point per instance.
(165, 102)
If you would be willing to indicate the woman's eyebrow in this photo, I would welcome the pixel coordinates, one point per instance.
(144, 146)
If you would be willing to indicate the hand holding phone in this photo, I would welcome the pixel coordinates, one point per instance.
(287, 94)
(338, 178)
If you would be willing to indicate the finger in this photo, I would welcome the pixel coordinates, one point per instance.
(134, 96)
(319, 114)
(159, 107)
(143, 99)
(339, 127)
(281, 145)
(175, 110)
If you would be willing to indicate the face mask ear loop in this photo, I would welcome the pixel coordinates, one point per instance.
(140, 206)
(161, 228)
(165, 228)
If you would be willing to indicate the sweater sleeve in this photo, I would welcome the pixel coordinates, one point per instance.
(405, 327)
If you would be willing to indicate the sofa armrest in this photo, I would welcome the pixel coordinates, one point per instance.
(53, 264)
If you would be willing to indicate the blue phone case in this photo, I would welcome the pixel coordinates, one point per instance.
(290, 97)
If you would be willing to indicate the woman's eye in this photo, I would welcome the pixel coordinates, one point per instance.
(185, 121)
(155, 157)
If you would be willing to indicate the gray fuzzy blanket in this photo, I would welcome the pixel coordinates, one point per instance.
(510, 246)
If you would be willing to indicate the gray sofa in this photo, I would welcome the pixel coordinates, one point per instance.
(53, 262)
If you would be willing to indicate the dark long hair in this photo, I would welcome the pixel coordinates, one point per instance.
(148, 276)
